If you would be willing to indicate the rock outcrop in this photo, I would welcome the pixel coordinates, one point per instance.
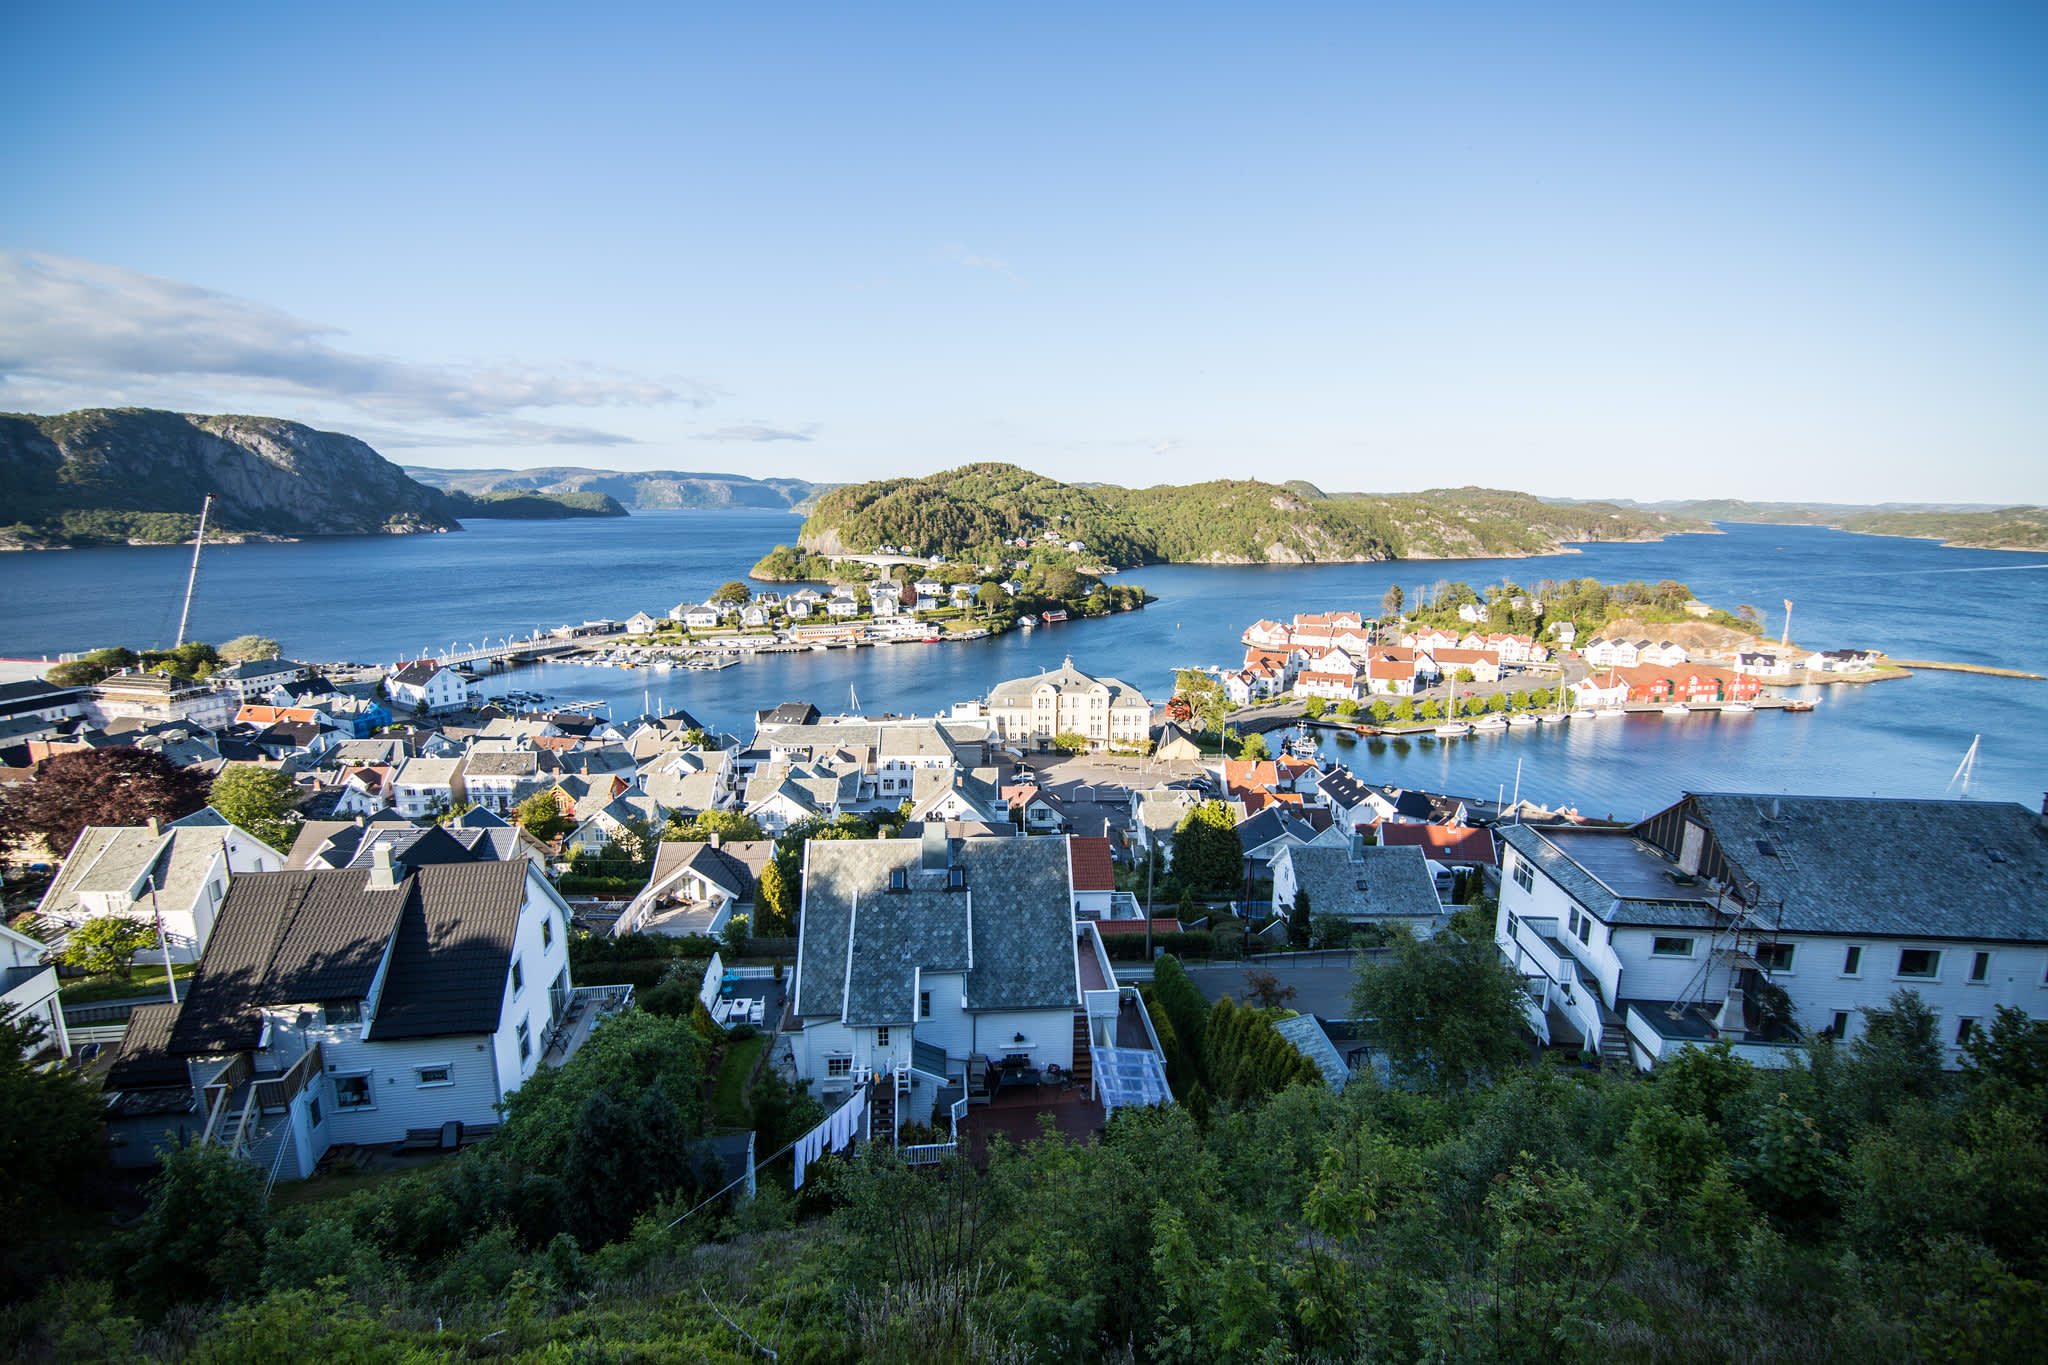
(107, 475)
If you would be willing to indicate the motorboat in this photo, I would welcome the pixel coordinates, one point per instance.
(1678, 708)
(1585, 713)
(1490, 723)
(1302, 746)
(1607, 712)
(1526, 718)
(1453, 730)
(1738, 708)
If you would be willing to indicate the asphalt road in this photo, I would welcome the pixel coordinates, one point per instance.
(1322, 987)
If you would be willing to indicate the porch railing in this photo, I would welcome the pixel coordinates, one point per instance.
(278, 1093)
(932, 1153)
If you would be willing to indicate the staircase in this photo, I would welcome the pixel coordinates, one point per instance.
(1613, 1041)
(1084, 1063)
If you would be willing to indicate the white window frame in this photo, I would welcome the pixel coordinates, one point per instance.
(523, 1031)
(1791, 951)
(882, 1036)
(1525, 875)
(839, 1066)
(1656, 951)
(1980, 970)
(447, 1070)
(518, 977)
(1933, 972)
(1852, 967)
(369, 1080)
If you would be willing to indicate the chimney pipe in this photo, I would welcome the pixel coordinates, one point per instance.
(717, 839)
(155, 826)
(383, 870)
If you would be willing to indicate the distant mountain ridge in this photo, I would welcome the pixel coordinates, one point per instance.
(1969, 526)
(115, 475)
(653, 488)
(978, 506)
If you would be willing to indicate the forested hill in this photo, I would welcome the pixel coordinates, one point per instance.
(652, 488)
(1980, 528)
(1222, 522)
(511, 505)
(111, 475)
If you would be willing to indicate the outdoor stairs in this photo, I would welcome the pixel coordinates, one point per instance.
(1613, 1042)
(1084, 1063)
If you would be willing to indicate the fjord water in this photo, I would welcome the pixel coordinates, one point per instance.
(380, 598)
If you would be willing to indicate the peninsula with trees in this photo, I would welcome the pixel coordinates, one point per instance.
(986, 509)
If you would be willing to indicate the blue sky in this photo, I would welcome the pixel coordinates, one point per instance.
(1639, 251)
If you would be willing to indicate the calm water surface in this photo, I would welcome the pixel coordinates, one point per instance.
(376, 598)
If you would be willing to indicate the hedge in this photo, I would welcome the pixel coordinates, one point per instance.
(587, 950)
(576, 884)
(1128, 947)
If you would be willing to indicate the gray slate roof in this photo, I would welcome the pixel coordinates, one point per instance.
(1305, 1031)
(862, 944)
(1903, 868)
(1684, 907)
(1372, 883)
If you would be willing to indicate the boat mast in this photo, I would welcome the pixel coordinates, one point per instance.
(1964, 770)
(192, 580)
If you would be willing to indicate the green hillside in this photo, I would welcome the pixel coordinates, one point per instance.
(514, 505)
(977, 507)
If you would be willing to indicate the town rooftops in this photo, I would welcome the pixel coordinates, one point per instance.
(789, 713)
(1442, 843)
(256, 670)
(1008, 928)
(288, 938)
(733, 867)
(1618, 877)
(415, 674)
(144, 1061)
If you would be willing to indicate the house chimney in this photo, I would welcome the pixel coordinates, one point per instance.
(717, 839)
(155, 826)
(383, 870)
(1728, 1023)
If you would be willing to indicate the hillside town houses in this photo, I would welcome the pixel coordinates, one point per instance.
(404, 965)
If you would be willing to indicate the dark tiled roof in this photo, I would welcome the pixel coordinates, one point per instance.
(145, 1061)
(412, 846)
(284, 938)
(1910, 869)
(36, 688)
(862, 943)
(789, 713)
(453, 951)
(417, 673)
(1270, 824)
(1372, 883)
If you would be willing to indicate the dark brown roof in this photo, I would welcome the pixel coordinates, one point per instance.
(144, 1061)
(454, 949)
(1094, 869)
(285, 938)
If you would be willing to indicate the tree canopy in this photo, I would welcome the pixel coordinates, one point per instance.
(1206, 853)
(246, 648)
(1446, 1010)
(260, 800)
(112, 786)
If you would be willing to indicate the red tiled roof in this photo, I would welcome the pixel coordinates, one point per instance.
(1093, 867)
(1443, 843)
(1135, 926)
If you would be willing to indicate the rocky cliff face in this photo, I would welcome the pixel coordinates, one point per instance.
(106, 475)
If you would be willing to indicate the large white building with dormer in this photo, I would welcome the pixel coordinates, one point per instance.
(1029, 712)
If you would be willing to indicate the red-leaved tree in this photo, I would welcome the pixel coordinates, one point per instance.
(96, 787)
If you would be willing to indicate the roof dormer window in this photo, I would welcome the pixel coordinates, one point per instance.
(899, 879)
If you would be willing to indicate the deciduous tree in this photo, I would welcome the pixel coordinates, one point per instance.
(245, 648)
(1446, 1010)
(106, 945)
(258, 799)
(97, 787)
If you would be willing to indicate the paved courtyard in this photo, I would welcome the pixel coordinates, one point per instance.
(1322, 986)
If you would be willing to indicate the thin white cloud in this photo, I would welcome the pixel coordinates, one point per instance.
(73, 327)
(757, 431)
(978, 260)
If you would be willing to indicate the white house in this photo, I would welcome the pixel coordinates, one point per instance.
(1604, 653)
(1031, 711)
(28, 992)
(497, 780)
(640, 623)
(252, 679)
(922, 963)
(699, 615)
(1763, 921)
(424, 685)
(174, 876)
(359, 1005)
(697, 887)
(842, 607)
(425, 785)
(1665, 654)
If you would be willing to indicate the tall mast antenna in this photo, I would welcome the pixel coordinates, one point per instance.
(192, 580)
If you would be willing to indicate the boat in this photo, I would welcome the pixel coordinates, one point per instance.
(1738, 708)
(1453, 730)
(1525, 719)
(931, 639)
(1677, 708)
(1797, 706)
(1302, 746)
(1585, 713)
(1490, 723)
(1606, 712)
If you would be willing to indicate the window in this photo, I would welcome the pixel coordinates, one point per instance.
(899, 879)
(924, 1004)
(1585, 928)
(518, 977)
(881, 1037)
(525, 1040)
(1852, 961)
(1980, 967)
(1575, 919)
(1919, 962)
(1671, 947)
(547, 930)
(1774, 957)
(441, 1074)
(1840, 1028)
(1964, 1028)
(354, 1092)
(839, 1066)
(343, 1011)
(313, 1111)
(1525, 875)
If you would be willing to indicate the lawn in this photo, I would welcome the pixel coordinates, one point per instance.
(729, 1091)
(91, 990)
(332, 1186)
